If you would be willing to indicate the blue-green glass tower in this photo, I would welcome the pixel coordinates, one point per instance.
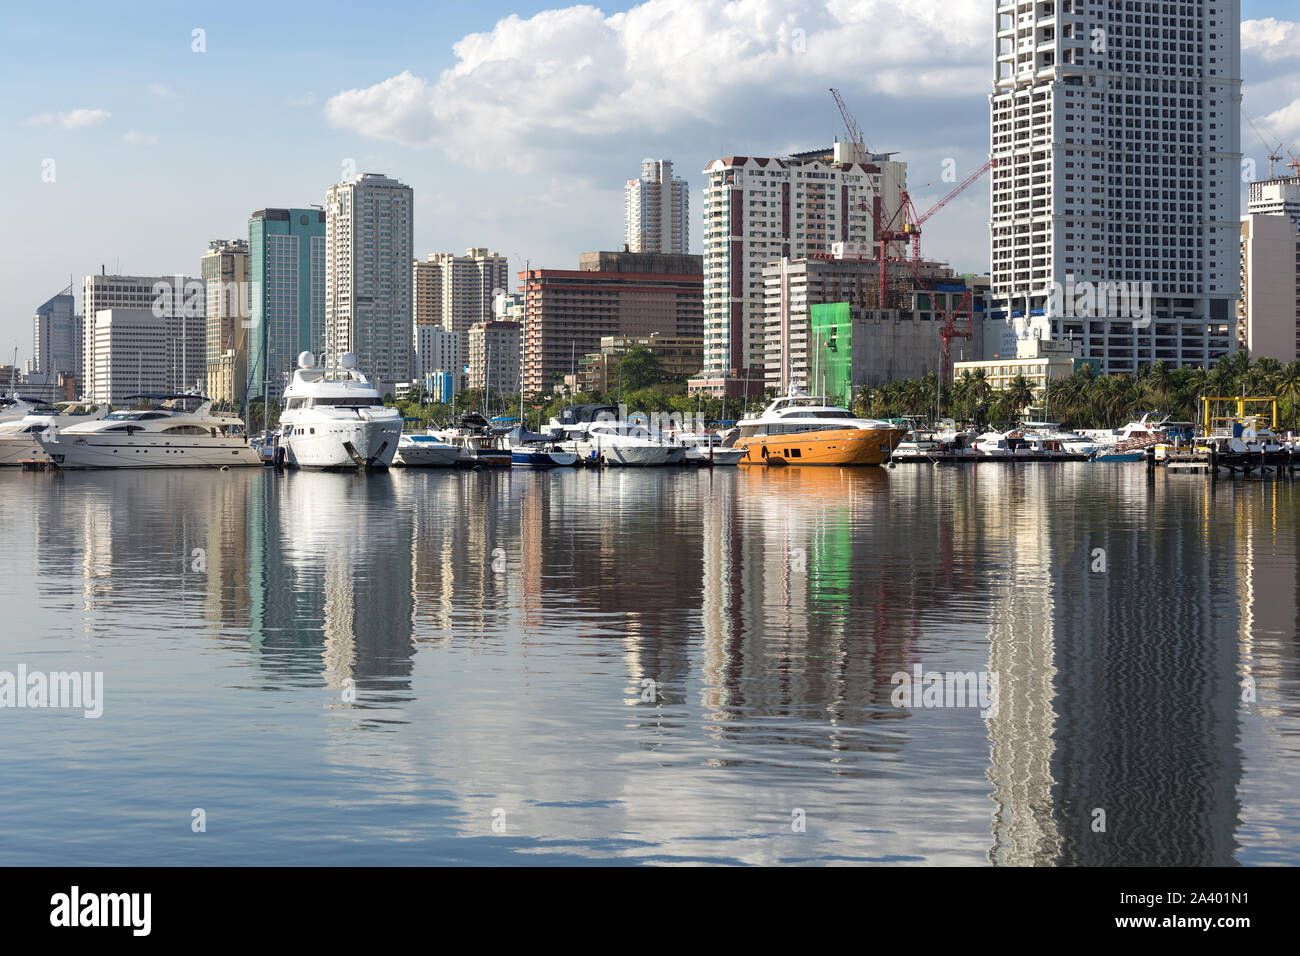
(286, 275)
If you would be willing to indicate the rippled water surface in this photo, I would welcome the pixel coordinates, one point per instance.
(653, 666)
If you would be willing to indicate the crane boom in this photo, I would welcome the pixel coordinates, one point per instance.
(953, 195)
(850, 124)
(1273, 154)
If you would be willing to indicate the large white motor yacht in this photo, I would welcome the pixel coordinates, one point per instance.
(163, 431)
(18, 438)
(334, 418)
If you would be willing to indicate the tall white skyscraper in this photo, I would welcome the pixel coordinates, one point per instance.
(656, 210)
(368, 297)
(1115, 128)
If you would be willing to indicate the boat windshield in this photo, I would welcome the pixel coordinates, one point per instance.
(349, 401)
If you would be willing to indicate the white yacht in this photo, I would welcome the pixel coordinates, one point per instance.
(1072, 442)
(13, 408)
(163, 431)
(594, 434)
(18, 438)
(425, 451)
(707, 448)
(477, 445)
(334, 418)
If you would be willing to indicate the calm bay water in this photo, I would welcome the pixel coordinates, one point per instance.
(653, 666)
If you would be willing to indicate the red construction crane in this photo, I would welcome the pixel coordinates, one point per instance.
(905, 226)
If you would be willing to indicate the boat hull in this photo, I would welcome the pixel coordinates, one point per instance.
(342, 444)
(426, 455)
(110, 452)
(542, 459)
(720, 456)
(849, 446)
(629, 455)
(18, 448)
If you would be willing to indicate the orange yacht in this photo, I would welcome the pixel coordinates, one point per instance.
(804, 430)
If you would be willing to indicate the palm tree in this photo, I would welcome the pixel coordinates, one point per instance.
(1287, 386)
(1159, 378)
(1018, 396)
(980, 390)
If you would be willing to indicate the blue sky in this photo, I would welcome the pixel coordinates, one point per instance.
(524, 149)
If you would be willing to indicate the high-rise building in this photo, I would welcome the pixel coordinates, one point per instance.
(567, 312)
(758, 210)
(457, 291)
(656, 209)
(56, 336)
(494, 356)
(426, 289)
(1115, 198)
(368, 301)
(1268, 309)
(177, 300)
(437, 350)
(286, 274)
(132, 355)
(224, 268)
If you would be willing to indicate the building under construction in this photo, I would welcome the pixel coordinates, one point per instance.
(900, 330)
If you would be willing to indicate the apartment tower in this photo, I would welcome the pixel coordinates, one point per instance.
(1115, 200)
(224, 268)
(759, 210)
(656, 210)
(368, 300)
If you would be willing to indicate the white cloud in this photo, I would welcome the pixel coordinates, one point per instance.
(566, 79)
(1269, 39)
(307, 99)
(1271, 91)
(132, 138)
(161, 89)
(76, 119)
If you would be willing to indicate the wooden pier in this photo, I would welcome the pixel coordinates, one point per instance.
(1211, 461)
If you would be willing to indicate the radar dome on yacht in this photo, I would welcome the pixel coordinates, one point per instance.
(306, 360)
(348, 360)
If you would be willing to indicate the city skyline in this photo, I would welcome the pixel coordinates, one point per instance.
(124, 138)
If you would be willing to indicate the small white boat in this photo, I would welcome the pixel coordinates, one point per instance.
(707, 448)
(531, 450)
(595, 435)
(476, 445)
(18, 438)
(425, 451)
(167, 431)
(334, 418)
(624, 443)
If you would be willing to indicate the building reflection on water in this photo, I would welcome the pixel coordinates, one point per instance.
(770, 607)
